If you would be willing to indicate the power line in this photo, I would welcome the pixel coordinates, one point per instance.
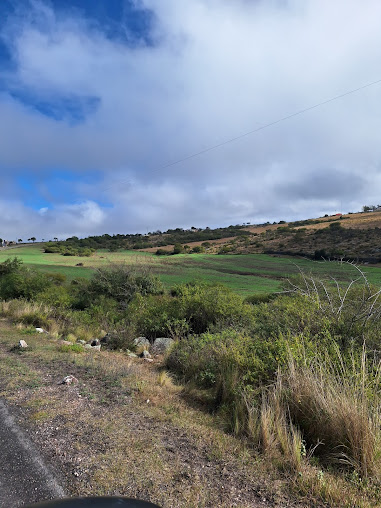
(253, 131)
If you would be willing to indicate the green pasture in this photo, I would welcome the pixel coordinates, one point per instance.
(246, 274)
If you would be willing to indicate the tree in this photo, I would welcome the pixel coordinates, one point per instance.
(33, 238)
(178, 248)
(19, 240)
(55, 239)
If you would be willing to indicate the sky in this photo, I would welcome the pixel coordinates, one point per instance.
(98, 99)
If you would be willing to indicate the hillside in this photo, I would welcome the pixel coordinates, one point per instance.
(354, 236)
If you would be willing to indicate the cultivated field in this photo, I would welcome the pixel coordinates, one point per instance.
(245, 274)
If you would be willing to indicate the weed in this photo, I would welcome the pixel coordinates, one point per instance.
(163, 378)
(73, 348)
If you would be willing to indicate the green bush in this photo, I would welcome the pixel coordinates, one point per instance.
(230, 362)
(121, 283)
(73, 348)
(57, 278)
(35, 319)
(154, 316)
(178, 248)
(206, 306)
(10, 265)
(23, 283)
(190, 308)
(161, 252)
(260, 298)
(57, 296)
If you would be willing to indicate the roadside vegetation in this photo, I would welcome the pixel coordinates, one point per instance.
(296, 375)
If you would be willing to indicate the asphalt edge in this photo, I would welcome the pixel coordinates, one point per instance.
(35, 457)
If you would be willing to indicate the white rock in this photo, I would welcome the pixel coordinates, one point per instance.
(68, 380)
(40, 330)
(23, 344)
(93, 348)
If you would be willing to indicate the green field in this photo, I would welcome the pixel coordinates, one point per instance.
(246, 274)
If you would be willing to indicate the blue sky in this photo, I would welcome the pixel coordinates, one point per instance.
(98, 96)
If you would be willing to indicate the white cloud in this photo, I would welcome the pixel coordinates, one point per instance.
(218, 69)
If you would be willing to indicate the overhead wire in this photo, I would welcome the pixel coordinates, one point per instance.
(253, 131)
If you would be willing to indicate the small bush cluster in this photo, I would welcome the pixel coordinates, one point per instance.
(67, 249)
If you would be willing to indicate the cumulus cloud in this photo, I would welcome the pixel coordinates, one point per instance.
(214, 70)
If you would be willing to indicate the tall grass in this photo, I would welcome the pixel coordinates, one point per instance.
(328, 407)
(55, 321)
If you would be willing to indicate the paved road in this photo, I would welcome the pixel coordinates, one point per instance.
(24, 478)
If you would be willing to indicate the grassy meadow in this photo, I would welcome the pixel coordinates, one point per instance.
(245, 274)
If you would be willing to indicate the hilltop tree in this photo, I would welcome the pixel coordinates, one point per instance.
(19, 240)
(33, 238)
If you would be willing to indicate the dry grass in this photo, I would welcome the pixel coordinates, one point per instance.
(32, 314)
(324, 408)
(339, 410)
(16, 309)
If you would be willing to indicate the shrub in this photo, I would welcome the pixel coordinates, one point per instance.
(351, 311)
(214, 359)
(178, 248)
(57, 296)
(198, 249)
(154, 316)
(10, 266)
(23, 283)
(211, 305)
(335, 226)
(73, 348)
(121, 283)
(57, 278)
(190, 308)
(260, 298)
(36, 319)
(161, 252)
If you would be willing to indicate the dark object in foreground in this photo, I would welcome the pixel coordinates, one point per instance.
(95, 502)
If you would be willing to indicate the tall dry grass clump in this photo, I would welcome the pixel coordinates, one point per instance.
(339, 409)
(273, 430)
(324, 407)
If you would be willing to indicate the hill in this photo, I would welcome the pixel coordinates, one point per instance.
(354, 236)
